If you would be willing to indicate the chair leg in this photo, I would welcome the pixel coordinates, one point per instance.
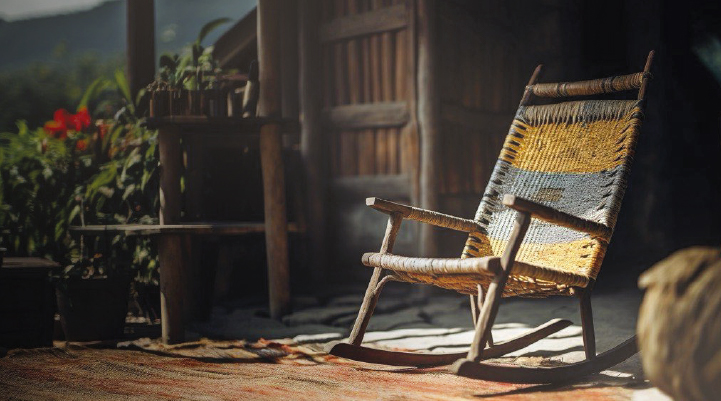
(589, 336)
(476, 306)
(376, 283)
(475, 310)
(487, 317)
(366, 311)
(495, 289)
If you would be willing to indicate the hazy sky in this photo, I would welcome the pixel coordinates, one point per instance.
(20, 9)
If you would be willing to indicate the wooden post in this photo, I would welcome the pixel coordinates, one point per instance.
(429, 117)
(311, 139)
(289, 58)
(170, 249)
(140, 44)
(269, 105)
(413, 145)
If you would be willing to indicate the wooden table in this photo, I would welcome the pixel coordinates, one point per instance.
(174, 235)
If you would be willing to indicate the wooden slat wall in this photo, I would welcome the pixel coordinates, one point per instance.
(369, 123)
(488, 51)
(480, 92)
(366, 54)
(370, 85)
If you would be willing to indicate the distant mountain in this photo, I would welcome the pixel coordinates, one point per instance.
(101, 30)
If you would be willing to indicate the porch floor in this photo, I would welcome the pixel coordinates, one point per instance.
(285, 359)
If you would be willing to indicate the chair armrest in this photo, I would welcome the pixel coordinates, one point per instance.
(558, 217)
(424, 216)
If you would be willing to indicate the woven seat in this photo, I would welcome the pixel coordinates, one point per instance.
(542, 227)
(463, 275)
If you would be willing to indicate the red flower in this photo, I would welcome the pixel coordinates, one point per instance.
(81, 120)
(81, 145)
(102, 129)
(64, 121)
(59, 126)
(56, 129)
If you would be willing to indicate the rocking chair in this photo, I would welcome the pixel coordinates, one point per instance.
(542, 228)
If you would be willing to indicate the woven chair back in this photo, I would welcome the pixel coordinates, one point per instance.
(572, 156)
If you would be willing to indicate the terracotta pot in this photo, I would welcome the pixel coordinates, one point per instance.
(94, 309)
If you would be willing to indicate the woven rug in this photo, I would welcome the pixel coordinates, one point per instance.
(236, 370)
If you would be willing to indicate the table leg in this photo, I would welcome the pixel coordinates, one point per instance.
(170, 249)
(172, 288)
(276, 221)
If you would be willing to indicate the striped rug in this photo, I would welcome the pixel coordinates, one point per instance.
(235, 370)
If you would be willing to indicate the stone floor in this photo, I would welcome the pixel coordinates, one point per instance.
(442, 322)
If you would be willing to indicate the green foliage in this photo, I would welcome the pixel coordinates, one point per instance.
(103, 174)
(195, 68)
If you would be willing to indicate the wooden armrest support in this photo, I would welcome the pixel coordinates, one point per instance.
(556, 216)
(424, 216)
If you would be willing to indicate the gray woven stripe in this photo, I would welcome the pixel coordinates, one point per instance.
(539, 232)
(586, 195)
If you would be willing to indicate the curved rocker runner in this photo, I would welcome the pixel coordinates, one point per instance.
(542, 228)
(399, 358)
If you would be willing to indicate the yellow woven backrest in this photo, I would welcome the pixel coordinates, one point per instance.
(572, 156)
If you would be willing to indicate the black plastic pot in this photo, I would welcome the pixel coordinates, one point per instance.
(160, 103)
(195, 102)
(93, 309)
(27, 303)
(179, 102)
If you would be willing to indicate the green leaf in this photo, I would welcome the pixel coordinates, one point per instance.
(128, 191)
(124, 89)
(169, 61)
(209, 27)
(93, 90)
(73, 214)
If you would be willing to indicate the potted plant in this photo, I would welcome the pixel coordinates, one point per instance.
(92, 297)
(189, 81)
(82, 169)
(203, 70)
(123, 191)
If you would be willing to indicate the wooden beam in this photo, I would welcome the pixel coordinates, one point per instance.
(312, 140)
(271, 158)
(201, 228)
(368, 115)
(380, 20)
(429, 117)
(413, 144)
(241, 37)
(289, 59)
(140, 44)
